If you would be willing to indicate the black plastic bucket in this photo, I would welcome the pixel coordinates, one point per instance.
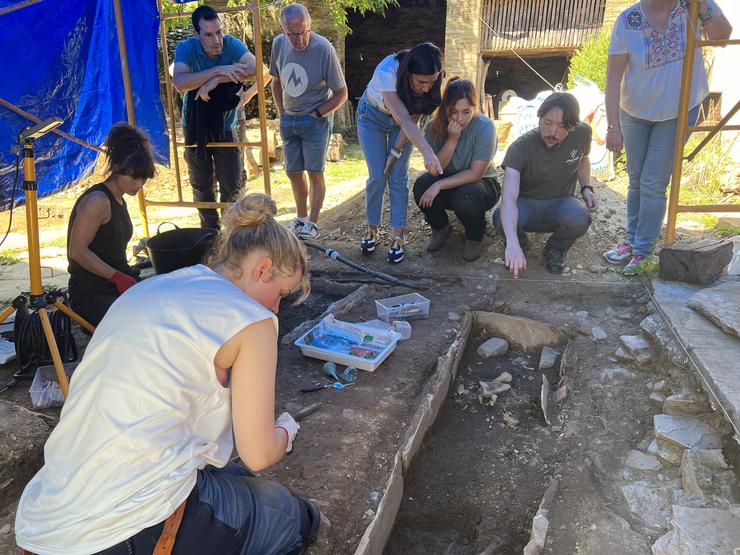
(179, 247)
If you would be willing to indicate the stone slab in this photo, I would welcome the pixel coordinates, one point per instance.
(637, 346)
(548, 358)
(686, 432)
(704, 531)
(642, 461)
(493, 347)
(721, 305)
(699, 262)
(523, 334)
(715, 354)
(650, 501)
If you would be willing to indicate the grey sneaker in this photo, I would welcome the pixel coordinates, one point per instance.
(296, 226)
(438, 238)
(309, 231)
(471, 250)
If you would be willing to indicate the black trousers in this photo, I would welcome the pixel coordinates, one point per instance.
(220, 164)
(469, 202)
(565, 217)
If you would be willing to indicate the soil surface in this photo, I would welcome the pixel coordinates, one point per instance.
(478, 482)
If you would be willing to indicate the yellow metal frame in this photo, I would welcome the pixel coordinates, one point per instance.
(34, 267)
(683, 128)
(259, 78)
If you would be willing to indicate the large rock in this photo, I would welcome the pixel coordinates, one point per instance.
(637, 346)
(494, 347)
(522, 333)
(685, 403)
(699, 262)
(650, 501)
(685, 432)
(700, 532)
(721, 305)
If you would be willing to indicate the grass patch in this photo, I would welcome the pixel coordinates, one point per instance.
(724, 230)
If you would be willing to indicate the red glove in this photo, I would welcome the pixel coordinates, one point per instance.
(122, 281)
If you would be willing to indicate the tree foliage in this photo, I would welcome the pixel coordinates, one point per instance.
(590, 60)
(337, 8)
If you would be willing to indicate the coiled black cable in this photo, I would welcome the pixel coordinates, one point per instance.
(31, 346)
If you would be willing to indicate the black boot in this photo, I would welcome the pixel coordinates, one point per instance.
(554, 259)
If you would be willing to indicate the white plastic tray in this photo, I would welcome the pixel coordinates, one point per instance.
(364, 347)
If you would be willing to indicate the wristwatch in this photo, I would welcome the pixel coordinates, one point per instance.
(589, 187)
(317, 113)
(395, 153)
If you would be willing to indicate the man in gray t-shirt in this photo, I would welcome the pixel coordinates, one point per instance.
(308, 86)
(541, 169)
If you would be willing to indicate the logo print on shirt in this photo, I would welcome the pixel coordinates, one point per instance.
(295, 79)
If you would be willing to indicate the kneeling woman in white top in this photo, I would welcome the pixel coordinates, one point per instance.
(175, 365)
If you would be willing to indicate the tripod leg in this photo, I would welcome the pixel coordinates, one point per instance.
(7, 312)
(72, 314)
(54, 350)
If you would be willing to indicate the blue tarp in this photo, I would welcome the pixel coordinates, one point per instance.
(60, 58)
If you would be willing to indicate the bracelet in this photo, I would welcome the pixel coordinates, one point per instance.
(612, 128)
(395, 153)
(589, 187)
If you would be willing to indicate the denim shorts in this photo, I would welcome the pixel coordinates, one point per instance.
(305, 142)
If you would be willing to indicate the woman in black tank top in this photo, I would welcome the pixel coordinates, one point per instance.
(100, 228)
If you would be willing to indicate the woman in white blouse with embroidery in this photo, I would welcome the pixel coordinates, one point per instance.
(642, 89)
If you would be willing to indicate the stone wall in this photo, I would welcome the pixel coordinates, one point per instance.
(374, 36)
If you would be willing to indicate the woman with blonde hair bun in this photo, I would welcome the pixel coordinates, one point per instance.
(180, 370)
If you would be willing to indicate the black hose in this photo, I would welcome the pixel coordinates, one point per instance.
(334, 255)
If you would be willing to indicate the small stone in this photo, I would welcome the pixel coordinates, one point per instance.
(548, 357)
(579, 266)
(657, 399)
(510, 420)
(598, 334)
(637, 346)
(494, 387)
(661, 386)
(684, 403)
(685, 432)
(667, 453)
(487, 398)
(597, 269)
(616, 374)
(504, 377)
(582, 315)
(461, 390)
(623, 356)
(5, 530)
(642, 461)
(369, 513)
(493, 347)
(497, 260)
(453, 316)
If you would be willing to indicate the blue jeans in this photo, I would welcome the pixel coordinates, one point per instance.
(377, 132)
(649, 146)
(305, 142)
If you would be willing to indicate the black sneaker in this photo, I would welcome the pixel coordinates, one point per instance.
(438, 238)
(471, 250)
(395, 252)
(369, 241)
(554, 259)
